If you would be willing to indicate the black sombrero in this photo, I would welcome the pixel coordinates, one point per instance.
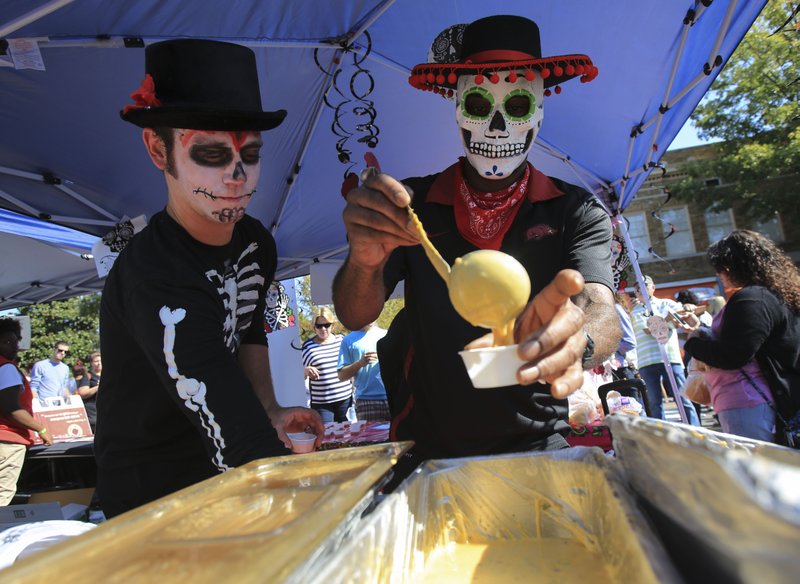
(200, 85)
(492, 45)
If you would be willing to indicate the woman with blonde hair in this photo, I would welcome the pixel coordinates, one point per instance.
(329, 396)
(754, 349)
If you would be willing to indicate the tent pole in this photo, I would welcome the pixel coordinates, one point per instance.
(377, 13)
(662, 348)
(32, 16)
(336, 63)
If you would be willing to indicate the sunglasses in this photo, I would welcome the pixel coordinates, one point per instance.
(326, 325)
(65, 351)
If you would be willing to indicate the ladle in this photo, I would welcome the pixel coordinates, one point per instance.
(488, 288)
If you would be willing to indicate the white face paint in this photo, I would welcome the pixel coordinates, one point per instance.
(215, 173)
(498, 121)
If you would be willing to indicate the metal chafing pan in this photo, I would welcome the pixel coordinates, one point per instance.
(525, 499)
(727, 508)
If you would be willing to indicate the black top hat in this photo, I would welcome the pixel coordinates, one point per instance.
(200, 85)
(491, 45)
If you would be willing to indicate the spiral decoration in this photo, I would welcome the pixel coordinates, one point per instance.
(353, 114)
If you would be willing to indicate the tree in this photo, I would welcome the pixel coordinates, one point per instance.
(754, 107)
(75, 321)
(305, 306)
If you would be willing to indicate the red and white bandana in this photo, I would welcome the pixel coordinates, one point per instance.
(484, 218)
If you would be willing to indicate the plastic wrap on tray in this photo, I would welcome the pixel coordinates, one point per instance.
(257, 523)
(552, 510)
(728, 507)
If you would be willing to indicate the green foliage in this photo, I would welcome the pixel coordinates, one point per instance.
(75, 321)
(305, 307)
(754, 106)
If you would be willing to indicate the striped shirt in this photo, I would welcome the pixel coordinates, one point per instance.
(647, 351)
(327, 389)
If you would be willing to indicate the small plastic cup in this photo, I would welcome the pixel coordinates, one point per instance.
(355, 427)
(492, 366)
(302, 442)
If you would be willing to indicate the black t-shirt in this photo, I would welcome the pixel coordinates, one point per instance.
(90, 403)
(443, 413)
(173, 315)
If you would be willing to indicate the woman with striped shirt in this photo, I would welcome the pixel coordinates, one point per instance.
(329, 396)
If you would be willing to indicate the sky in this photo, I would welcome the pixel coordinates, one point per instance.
(687, 138)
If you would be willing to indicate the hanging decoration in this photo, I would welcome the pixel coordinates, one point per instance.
(666, 233)
(353, 114)
(621, 261)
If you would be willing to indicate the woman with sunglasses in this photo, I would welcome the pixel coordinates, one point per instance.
(329, 396)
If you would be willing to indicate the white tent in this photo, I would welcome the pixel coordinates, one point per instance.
(67, 158)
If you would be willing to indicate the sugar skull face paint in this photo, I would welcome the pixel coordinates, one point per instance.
(498, 122)
(215, 173)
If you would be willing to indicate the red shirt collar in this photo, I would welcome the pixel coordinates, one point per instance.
(540, 187)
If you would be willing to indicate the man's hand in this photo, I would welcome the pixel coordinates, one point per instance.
(369, 357)
(376, 220)
(297, 419)
(46, 438)
(550, 335)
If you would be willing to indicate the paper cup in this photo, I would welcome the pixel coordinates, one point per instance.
(302, 442)
(493, 366)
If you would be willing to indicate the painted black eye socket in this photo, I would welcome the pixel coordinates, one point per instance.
(251, 154)
(211, 155)
(518, 106)
(477, 105)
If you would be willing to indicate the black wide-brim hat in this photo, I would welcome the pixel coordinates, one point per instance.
(200, 85)
(492, 45)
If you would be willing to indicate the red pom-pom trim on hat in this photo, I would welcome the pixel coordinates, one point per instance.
(494, 78)
(512, 77)
(558, 89)
(530, 75)
(547, 93)
(479, 79)
(545, 73)
(569, 69)
(451, 78)
(558, 71)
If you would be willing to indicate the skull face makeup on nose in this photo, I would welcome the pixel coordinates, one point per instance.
(498, 122)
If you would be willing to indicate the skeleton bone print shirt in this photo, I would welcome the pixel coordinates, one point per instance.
(174, 314)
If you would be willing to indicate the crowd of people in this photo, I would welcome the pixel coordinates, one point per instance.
(188, 390)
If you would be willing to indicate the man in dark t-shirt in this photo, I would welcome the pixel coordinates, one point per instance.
(491, 199)
(187, 391)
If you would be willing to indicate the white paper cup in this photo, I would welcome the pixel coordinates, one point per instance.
(493, 366)
(302, 442)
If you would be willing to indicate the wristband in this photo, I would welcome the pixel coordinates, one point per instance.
(42, 432)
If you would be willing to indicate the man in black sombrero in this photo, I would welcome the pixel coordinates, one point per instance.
(491, 199)
(187, 391)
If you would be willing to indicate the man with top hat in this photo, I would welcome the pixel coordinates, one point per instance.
(491, 199)
(187, 390)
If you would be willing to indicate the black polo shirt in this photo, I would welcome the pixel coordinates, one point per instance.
(558, 226)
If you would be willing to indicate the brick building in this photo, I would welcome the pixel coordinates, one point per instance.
(679, 261)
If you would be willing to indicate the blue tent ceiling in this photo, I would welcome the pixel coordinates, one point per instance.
(63, 122)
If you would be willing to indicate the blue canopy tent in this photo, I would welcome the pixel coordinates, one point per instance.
(340, 68)
(43, 261)
(67, 158)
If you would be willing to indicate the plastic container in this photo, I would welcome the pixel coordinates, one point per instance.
(492, 366)
(302, 442)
